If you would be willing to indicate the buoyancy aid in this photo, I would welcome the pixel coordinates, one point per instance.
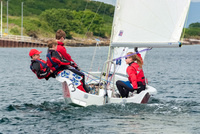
(56, 61)
(53, 65)
(44, 69)
(60, 43)
(135, 74)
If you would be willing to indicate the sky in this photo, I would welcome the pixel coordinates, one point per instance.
(107, 1)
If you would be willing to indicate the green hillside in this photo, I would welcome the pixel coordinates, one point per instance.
(43, 18)
(36, 7)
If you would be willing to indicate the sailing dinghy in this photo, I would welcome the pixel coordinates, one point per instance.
(137, 23)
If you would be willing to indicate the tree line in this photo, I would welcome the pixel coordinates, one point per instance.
(193, 31)
(80, 17)
(36, 7)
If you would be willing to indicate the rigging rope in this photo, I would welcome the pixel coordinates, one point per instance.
(97, 44)
(83, 15)
(147, 49)
(93, 18)
(94, 77)
(94, 55)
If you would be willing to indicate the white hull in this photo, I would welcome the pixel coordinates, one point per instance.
(74, 96)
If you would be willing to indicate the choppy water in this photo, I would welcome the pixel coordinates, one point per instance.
(33, 106)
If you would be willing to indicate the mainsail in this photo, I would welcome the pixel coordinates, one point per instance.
(148, 23)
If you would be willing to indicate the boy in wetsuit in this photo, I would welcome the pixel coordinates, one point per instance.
(55, 60)
(60, 37)
(39, 66)
(58, 63)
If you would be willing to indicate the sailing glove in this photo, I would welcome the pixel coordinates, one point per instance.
(77, 68)
(71, 63)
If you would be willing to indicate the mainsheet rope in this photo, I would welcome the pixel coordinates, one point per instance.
(93, 76)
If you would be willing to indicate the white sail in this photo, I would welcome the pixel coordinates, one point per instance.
(148, 23)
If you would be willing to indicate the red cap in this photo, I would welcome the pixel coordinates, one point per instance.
(34, 51)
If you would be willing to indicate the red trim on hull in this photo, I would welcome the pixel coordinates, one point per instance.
(65, 90)
(146, 98)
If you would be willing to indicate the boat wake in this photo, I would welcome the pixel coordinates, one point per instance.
(154, 106)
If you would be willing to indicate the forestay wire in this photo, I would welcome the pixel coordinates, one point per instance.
(94, 54)
(98, 41)
(93, 18)
(83, 16)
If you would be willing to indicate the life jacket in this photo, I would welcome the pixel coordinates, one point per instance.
(139, 73)
(43, 67)
(60, 43)
(53, 65)
(62, 50)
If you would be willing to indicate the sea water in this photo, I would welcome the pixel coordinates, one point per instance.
(33, 106)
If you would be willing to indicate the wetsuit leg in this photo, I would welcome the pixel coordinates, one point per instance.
(51, 75)
(141, 87)
(123, 88)
(61, 68)
(120, 88)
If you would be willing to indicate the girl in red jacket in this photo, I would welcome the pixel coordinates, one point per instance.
(135, 76)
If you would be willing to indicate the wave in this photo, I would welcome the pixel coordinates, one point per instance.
(155, 106)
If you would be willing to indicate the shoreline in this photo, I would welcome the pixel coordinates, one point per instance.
(86, 42)
(75, 42)
(190, 41)
(106, 42)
